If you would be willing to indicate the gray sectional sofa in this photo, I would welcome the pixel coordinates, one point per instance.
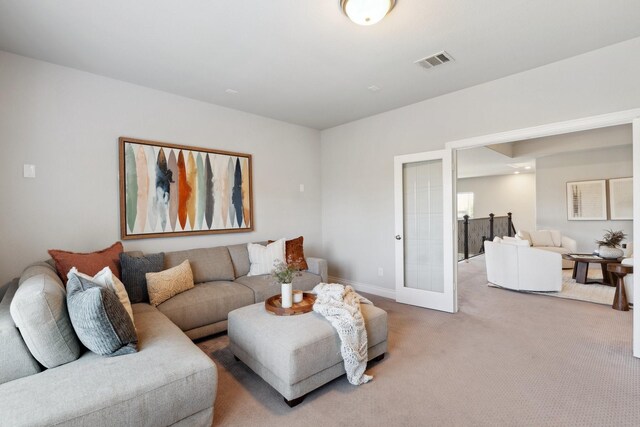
(169, 381)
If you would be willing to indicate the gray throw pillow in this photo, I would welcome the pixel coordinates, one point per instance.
(133, 270)
(99, 318)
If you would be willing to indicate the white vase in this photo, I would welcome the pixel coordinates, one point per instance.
(286, 290)
(610, 253)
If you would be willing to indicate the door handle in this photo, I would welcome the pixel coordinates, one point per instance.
(398, 237)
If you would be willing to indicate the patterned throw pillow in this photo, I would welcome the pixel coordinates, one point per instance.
(133, 274)
(264, 258)
(88, 263)
(99, 319)
(294, 253)
(169, 283)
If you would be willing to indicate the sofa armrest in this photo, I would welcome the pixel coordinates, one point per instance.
(569, 244)
(318, 266)
(627, 261)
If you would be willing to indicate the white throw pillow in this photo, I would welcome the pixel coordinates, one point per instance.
(497, 240)
(264, 258)
(541, 238)
(523, 235)
(107, 279)
(556, 236)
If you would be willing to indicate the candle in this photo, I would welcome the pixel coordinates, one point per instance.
(297, 297)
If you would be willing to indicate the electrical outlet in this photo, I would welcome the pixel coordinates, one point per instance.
(380, 272)
(302, 188)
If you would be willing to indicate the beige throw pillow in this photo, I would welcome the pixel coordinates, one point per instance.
(541, 238)
(107, 279)
(169, 283)
(556, 236)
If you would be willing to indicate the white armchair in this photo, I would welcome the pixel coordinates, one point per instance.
(552, 241)
(513, 264)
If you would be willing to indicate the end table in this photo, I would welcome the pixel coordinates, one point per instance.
(619, 271)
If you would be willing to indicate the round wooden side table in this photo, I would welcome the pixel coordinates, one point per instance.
(619, 271)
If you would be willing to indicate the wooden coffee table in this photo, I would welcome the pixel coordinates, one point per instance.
(581, 268)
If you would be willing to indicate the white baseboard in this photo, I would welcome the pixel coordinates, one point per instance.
(363, 287)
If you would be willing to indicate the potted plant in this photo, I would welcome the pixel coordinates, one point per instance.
(283, 274)
(609, 246)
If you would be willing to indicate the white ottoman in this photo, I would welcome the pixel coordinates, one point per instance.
(297, 354)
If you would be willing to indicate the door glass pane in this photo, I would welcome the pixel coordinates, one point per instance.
(423, 226)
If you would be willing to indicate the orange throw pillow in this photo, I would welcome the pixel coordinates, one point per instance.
(89, 263)
(294, 252)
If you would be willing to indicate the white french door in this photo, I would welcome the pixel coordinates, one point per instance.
(425, 267)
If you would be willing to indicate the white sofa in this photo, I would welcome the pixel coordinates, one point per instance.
(513, 264)
(552, 241)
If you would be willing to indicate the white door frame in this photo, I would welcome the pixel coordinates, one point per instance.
(448, 299)
(570, 126)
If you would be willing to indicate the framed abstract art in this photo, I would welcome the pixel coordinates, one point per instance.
(587, 200)
(621, 198)
(177, 190)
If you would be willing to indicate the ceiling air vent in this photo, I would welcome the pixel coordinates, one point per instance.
(434, 60)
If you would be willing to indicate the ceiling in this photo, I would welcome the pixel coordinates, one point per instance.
(483, 161)
(521, 156)
(304, 62)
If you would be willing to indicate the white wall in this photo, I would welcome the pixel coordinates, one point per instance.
(67, 123)
(553, 173)
(500, 194)
(357, 158)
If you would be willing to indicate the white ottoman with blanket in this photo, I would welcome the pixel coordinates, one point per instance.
(297, 354)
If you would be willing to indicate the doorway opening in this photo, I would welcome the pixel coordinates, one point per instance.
(626, 121)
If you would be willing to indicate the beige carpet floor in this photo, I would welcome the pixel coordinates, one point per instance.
(506, 358)
(599, 294)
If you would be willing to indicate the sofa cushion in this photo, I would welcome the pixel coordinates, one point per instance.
(89, 263)
(207, 264)
(240, 257)
(99, 318)
(39, 309)
(264, 258)
(134, 268)
(264, 286)
(205, 304)
(168, 283)
(15, 359)
(541, 238)
(167, 381)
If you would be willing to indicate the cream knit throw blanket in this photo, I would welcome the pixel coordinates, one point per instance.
(340, 305)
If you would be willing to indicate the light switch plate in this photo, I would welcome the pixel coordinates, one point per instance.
(29, 171)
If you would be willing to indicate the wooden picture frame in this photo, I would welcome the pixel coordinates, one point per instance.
(178, 190)
(621, 199)
(587, 200)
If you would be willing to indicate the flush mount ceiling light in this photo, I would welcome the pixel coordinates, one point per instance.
(367, 12)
